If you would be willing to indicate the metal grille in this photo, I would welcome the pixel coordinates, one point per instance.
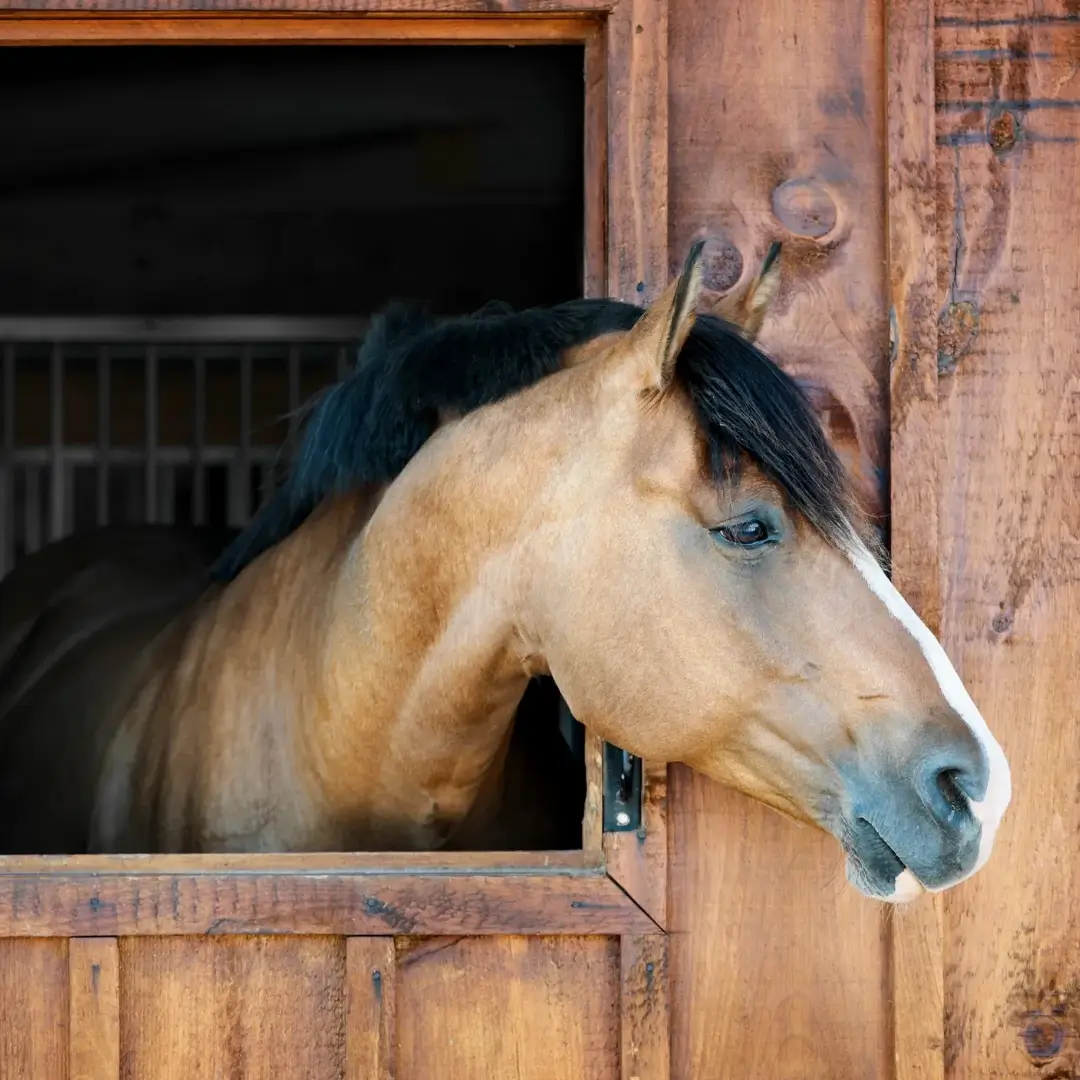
(122, 421)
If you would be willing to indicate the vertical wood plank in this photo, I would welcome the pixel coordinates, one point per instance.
(532, 1008)
(1008, 143)
(917, 998)
(638, 861)
(777, 131)
(596, 158)
(94, 1009)
(644, 1014)
(592, 825)
(33, 1009)
(637, 123)
(249, 1008)
(370, 1006)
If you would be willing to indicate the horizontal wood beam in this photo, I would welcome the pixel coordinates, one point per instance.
(123, 903)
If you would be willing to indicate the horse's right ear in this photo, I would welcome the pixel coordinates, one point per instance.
(650, 349)
(747, 309)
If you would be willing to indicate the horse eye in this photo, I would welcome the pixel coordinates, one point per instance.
(745, 534)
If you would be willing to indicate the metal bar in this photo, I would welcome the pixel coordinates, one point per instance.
(151, 433)
(342, 361)
(57, 478)
(211, 330)
(294, 391)
(7, 466)
(198, 448)
(87, 454)
(104, 418)
(167, 495)
(240, 479)
(32, 522)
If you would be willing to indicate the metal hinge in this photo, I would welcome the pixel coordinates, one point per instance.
(622, 790)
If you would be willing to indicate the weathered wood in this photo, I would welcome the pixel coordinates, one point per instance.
(370, 1009)
(638, 860)
(592, 824)
(1009, 391)
(193, 29)
(911, 212)
(232, 1007)
(246, 8)
(94, 1009)
(315, 902)
(643, 1009)
(536, 1008)
(637, 81)
(596, 181)
(33, 1009)
(777, 132)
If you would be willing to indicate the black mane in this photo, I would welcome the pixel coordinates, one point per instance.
(365, 429)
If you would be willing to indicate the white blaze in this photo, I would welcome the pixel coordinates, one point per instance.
(990, 810)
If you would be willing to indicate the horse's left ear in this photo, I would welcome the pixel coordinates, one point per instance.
(653, 345)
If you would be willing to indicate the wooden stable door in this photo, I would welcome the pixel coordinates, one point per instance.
(540, 966)
(367, 967)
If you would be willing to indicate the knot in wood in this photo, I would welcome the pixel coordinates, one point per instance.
(1003, 131)
(1043, 1037)
(804, 208)
(721, 264)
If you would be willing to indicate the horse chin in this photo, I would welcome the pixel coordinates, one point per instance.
(901, 889)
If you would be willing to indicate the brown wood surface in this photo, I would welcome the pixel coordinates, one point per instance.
(1008, 100)
(916, 942)
(192, 29)
(538, 1008)
(94, 1009)
(417, 8)
(370, 1009)
(238, 1007)
(638, 860)
(637, 81)
(33, 1010)
(778, 968)
(315, 902)
(596, 186)
(644, 1008)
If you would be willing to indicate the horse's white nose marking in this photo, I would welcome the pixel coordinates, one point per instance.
(991, 808)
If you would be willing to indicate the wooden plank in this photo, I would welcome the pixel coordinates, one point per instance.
(592, 825)
(596, 136)
(33, 1010)
(245, 1007)
(637, 222)
(777, 132)
(363, 862)
(916, 971)
(537, 1008)
(643, 1009)
(638, 860)
(314, 902)
(94, 1009)
(1009, 396)
(190, 29)
(426, 9)
(370, 1007)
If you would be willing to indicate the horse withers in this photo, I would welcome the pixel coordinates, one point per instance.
(638, 504)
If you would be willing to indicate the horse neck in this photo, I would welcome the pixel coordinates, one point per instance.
(421, 663)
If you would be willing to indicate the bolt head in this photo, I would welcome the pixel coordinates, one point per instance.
(622, 818)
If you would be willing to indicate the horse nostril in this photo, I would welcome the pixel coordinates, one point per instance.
(948, 784)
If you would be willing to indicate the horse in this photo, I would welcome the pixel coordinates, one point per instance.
(637, 504)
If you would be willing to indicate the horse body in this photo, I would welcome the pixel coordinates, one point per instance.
(640, 506)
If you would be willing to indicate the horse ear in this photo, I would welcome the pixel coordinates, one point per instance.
(654, 343)
(748, 308)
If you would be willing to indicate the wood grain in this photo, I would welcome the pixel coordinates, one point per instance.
(415, 8)
(594, 273)
(314, 902)
(94, 1009)
(916, 943)
(778, 132)
(592, 824)
(536, 1008)
(33, 1010)
(643, 1010)
(241, 1007)
(180, 28)
(638, 860)
(637, 80)
(778, 968)
(370, 1009)
(1009, 391)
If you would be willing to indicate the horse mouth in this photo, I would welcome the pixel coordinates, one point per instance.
(873, 866)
